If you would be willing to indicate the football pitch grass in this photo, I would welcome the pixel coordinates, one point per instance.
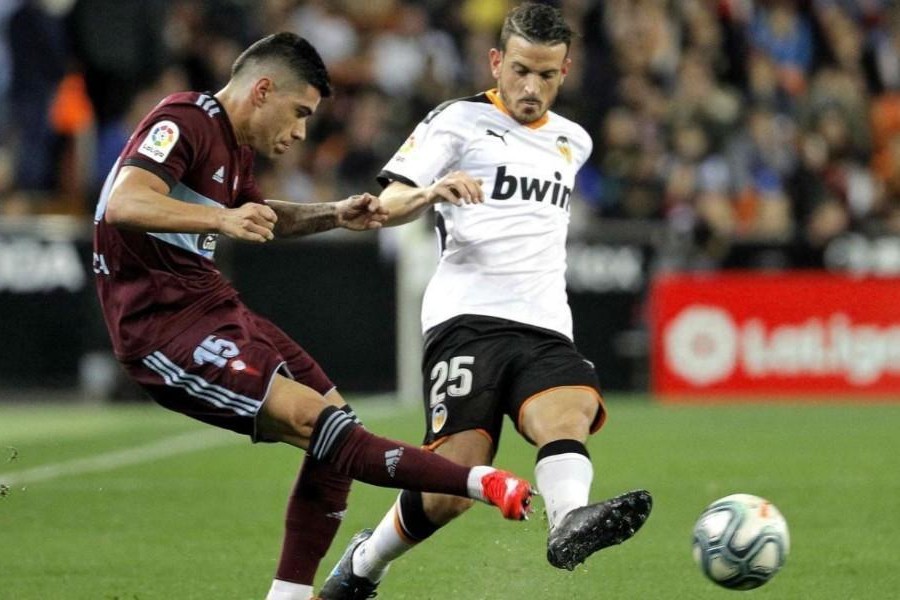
(137, 503)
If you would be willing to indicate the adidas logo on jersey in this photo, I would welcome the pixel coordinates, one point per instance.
(219, 175)
(507, 186)
(209, 104)
(392, 459)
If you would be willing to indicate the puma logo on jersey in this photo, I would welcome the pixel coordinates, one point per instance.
(507, 186)
(492, 133)
(219, 175)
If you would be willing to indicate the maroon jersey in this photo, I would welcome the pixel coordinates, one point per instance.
(153, 285)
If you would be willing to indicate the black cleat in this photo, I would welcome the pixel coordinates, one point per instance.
(342, 584)
(596, 526)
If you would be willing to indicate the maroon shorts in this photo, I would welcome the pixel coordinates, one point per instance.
(219, 370)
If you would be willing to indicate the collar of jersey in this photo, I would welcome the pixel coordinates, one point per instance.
(494, 97)
(229, 126)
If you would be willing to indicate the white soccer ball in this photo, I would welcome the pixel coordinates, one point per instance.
(741, 541)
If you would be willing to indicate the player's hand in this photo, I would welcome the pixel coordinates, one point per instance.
(361, 212)
(457, 188)
(250, 222)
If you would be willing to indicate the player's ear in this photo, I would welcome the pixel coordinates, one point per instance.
(496, 59)
(261, 90)
(565, 69)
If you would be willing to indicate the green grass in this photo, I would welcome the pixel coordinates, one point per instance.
(206, 524)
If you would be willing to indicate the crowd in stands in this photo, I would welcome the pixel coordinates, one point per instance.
(765, 121)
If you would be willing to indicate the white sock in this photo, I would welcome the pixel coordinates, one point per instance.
(564, 481)
(474, 482)
(285, 590)
(372, 558)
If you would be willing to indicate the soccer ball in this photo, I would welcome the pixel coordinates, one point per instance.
(741, 541)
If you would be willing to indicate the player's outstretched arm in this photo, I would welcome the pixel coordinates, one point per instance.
(357, 213)
(405, 203)
(139, 200)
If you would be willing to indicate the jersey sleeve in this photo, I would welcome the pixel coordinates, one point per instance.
(167, 143)
(429, 152)
(587, 145)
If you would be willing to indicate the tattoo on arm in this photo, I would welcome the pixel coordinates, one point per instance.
(303, 219)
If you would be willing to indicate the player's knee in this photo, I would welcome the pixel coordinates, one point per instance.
(290, 412)
(441, 508)
(578, 417)
(570, 420)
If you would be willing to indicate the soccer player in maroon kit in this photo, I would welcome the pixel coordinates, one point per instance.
(180, 330)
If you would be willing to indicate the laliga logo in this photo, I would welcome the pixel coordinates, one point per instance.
(163, 135)
(701, 345)
(704, 345)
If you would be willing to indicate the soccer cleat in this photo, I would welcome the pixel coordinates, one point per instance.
(588, 529)
(508, 493)
(342, 584)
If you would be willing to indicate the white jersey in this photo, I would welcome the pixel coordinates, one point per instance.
(505, 258)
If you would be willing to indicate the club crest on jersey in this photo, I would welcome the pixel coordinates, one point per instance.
(438, 418)
(207, 241)
(562, 144)
(160, 141)
(408, 145)
(508, 185)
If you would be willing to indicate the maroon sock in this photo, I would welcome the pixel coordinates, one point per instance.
(314, 513)
(388, 463)
(341, 441)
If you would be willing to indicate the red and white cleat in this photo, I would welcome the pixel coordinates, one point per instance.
(508, 493)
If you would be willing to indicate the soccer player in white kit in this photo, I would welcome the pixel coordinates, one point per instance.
(499, 169)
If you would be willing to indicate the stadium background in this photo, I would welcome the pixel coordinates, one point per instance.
(753, 139)
(729, 134)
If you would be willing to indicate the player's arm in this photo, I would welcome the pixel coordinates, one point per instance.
(139, 200)
(404, 202)
(357, 213)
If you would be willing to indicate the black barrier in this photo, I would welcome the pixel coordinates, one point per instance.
(606, 284)
(334, 294)
(336, 298)
(49, 317)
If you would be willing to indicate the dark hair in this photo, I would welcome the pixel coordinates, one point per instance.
(292, 51)
(537, 23)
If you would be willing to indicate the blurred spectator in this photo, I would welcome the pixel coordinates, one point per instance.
(120, 50)
(7, 9)
(37, 46)
(410, 51)
(881, 57)
(697, 96)
(725, 121)
(761, 158)
(782, 32)
(818, 209)
(763, 85)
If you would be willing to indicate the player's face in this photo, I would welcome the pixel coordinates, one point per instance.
(282, 116)
(528, 76)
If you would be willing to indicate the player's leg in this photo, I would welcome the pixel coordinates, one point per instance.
(413, 518)
(296, 414)
(318, 499)
(464, 373)
(315, 509)
(559, 421)
(221, 374)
